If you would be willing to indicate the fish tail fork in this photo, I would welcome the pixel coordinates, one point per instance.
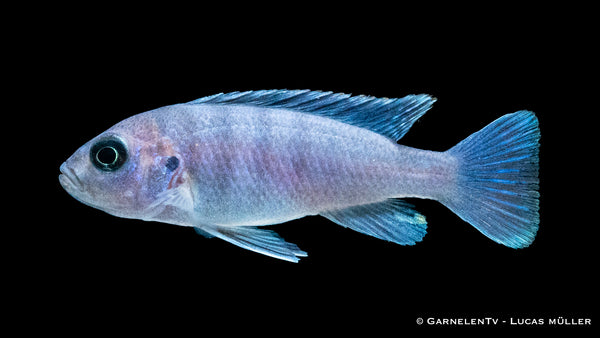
(497, 182)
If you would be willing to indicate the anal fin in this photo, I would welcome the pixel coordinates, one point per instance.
(266, 242)
(392, 220)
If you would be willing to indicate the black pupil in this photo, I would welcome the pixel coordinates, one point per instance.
(172, 163)
(107, 155)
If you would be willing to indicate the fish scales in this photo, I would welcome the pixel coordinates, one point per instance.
(273, 165)
(228, 163)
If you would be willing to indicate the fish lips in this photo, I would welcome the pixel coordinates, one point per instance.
(69, 180)
(73, 185)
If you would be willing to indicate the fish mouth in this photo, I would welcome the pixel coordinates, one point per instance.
(72, 184)
(69, 179)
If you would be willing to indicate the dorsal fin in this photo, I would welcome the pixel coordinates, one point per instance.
(389, 117)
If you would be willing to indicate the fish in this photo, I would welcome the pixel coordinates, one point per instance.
(230, 163)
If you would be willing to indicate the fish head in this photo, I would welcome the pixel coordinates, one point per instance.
(124, 170)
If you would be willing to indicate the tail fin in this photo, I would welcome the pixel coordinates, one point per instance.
(497, 183)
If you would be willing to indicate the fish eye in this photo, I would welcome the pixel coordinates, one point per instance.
(109, 154)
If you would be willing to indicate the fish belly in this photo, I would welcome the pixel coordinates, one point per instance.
(259, 166)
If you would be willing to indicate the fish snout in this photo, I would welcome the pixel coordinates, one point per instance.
(69, 179)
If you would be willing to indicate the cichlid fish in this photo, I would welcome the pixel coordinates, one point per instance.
(229, 163)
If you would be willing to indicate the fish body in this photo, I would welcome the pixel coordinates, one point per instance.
(229, 163)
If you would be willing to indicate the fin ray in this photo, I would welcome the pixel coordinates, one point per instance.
(497, 182)
(266, 242)
(392, 220)
(388, 117)
(179, 197)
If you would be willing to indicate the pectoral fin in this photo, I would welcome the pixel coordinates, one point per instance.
(266, 242)
(179, 197)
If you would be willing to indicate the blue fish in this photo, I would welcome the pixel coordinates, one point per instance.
(229, 163)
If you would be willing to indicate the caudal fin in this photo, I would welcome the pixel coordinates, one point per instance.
(497, 181)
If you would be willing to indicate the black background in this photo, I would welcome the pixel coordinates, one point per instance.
(111, 274)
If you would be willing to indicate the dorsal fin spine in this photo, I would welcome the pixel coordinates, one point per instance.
(389, 117)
